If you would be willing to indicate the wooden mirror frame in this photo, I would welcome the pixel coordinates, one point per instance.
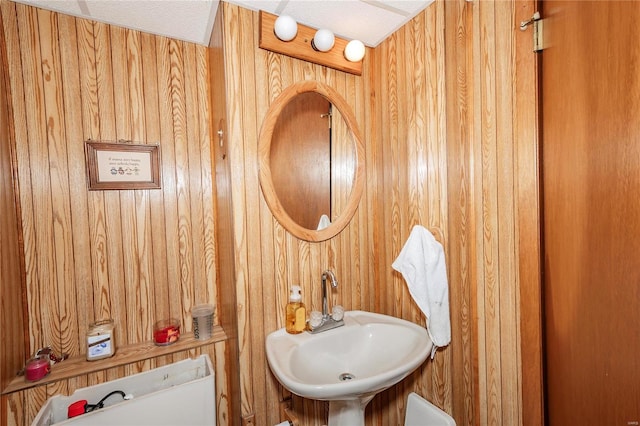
(264, 161)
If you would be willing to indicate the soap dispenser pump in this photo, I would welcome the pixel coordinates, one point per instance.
(296, 314)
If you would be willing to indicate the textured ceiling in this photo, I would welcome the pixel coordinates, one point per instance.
(370, 21)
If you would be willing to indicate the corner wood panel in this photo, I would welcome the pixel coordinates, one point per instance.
(135, 256)
(12, 320)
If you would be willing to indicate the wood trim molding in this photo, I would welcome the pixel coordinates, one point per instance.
(529, 217)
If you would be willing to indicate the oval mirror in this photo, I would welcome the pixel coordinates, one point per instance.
(311, 160)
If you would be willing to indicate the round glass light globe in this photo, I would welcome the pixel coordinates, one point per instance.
(323, 40)
(286, 28)
(354, 51)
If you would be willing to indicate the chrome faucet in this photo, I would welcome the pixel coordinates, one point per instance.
(334, 283)
(328, 321)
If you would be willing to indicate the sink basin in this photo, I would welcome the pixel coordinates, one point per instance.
(349, 365)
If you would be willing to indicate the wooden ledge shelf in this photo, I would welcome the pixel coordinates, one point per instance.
(78, 365)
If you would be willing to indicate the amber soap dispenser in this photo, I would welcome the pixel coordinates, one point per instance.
(296, 312)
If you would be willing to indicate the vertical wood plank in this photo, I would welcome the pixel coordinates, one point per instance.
(506, 189)
(62, 315)
(158, 275)
(124, 296)
(95, 201)
(115, 113)
(82, 295)
(140, 199)
(169, 179)
(459, 56)
(37, 213)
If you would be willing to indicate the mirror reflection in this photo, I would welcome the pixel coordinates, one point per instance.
(312, 159)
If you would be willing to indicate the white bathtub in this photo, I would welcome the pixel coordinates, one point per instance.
(182, 393)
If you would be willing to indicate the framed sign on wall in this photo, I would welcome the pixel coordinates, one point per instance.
(115, 165)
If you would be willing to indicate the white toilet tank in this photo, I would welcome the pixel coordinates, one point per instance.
(182, 393)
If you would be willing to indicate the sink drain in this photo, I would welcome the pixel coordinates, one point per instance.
(346, 376)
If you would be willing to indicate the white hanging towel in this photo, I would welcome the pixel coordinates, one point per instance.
(421, 263)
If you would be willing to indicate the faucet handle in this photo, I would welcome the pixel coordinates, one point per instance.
(315, 318)
(337, 312)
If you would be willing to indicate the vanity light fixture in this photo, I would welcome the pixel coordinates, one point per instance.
(354, 51)
(323, 41)
(320, 47)
(285, 28)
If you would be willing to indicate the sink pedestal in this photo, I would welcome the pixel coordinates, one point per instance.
(350, 412)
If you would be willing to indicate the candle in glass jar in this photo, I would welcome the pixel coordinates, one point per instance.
(166, 332)
(37, 368)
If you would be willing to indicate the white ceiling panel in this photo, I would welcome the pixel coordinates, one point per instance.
(188, 20)
(370, 21)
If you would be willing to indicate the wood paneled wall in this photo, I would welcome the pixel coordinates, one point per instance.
(406, 185)
(409, 143)
(494, 211)
(268, 260)
(481, 83)
(134, 256)
(447, 108)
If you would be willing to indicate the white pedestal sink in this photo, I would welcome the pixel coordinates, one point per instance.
(349, 365)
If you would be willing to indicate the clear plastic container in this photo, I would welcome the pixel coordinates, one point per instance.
(202, 321)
